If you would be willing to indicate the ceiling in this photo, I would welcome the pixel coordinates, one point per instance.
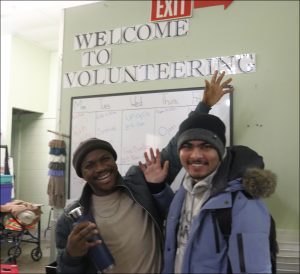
(36, 21)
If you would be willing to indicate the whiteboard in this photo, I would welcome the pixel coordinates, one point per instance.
(134, 122)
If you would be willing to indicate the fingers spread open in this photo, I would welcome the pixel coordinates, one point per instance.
(225, 84)
(142, 166)
(152, 155)
(214, 77)
(166, 166)
(219, 79)
(146, 157)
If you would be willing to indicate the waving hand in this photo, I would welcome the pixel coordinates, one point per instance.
(152, 169)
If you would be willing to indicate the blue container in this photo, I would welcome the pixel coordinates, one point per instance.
(5, 179)
(5, 193)
(99, 254)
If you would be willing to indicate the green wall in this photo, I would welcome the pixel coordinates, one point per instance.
(30, 70)
(266, 102)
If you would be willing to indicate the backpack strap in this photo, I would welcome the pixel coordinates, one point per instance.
(224, 219)
(274, 249)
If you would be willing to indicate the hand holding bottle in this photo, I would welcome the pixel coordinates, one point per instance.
(79, 241)
(89, 241)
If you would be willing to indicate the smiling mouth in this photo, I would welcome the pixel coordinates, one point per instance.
(104, 176)
(198, 165)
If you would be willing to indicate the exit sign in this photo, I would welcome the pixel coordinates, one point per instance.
(170, 9)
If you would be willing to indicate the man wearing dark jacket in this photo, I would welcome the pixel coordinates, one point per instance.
(121, 208)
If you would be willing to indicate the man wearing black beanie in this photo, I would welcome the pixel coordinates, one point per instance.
(120, 208)
(216, 221)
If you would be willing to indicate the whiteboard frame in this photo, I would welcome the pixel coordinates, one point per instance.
(230, 118)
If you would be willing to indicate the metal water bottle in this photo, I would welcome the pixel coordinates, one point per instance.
(99, 254)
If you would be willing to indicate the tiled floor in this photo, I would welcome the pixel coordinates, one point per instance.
(24, 261)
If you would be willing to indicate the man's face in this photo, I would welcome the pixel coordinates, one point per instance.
(100, 171)
(198, 158)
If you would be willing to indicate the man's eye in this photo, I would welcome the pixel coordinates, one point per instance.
(106, 158)
(186, 146)
(207, 146)
(88, 166)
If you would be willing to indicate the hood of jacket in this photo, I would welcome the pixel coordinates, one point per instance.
(242, 162)
(259, 183)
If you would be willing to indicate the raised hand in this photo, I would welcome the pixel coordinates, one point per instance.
(152, 169)
(215, 89)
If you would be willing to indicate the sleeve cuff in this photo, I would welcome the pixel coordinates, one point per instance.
(156, 188)
(68, 260)
(202, 107)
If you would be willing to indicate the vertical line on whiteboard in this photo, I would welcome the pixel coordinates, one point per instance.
(121, 151)
(70, 147)
(154, 130)
(231, 118)
(95, 125)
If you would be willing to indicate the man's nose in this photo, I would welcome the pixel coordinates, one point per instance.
(98, 166)
(197, 153)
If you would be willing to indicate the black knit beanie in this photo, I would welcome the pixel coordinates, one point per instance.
(205, 127)
(86, 147)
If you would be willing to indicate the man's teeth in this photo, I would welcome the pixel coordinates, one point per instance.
(104, 176)
(198, 164)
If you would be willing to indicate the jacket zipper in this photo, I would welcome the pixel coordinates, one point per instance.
(241, 252)
(217, 243)
(157, 225)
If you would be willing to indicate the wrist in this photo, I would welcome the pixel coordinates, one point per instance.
(156, 187)
(71, 260)
(203, 106)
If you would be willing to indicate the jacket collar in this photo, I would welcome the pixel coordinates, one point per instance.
(238, 159)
